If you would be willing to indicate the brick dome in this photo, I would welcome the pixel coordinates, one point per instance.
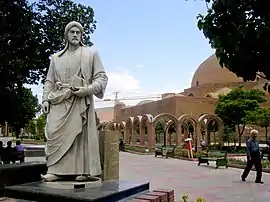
(210, 72)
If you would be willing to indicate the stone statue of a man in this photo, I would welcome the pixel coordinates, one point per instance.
(75, 75)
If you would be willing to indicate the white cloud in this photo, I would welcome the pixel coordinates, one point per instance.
(139, 66)
(122, 81)
(119, 81)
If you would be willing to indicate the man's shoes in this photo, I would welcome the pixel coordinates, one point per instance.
(259, 182)
(243, 179)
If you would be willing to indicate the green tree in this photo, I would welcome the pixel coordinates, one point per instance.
(260, 117)
(229, 134)
(31, 127)
(18, 61)
(213, 127)
(233, 107)
(24, 109)
(29, 35)
(19, 49)
(239, 31)
(51, 18)
(40, 124)
(160, 131)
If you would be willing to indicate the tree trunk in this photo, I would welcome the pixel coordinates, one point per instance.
(266, 131)
(240, 133)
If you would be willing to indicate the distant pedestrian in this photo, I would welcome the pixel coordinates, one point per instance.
(203, 144)
(253, 157)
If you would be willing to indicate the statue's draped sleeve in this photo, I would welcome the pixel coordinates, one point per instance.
(99, 77)
(49, 82)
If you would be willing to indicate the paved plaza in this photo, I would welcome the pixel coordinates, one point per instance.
(215, 185)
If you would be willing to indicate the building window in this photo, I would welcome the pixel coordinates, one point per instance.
(190, 94)
(197, 83)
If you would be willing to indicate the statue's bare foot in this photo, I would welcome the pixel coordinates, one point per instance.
(81, 178)
(50, 177)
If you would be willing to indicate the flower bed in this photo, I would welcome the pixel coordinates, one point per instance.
(238, 163)
(137, 149)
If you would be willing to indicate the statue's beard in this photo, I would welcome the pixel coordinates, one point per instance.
(75, 42)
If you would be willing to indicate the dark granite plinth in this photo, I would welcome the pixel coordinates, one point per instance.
(12, 174)
(4, 199)
(110, 191)
(34, 151)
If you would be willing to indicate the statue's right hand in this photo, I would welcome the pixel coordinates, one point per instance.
(45, 107)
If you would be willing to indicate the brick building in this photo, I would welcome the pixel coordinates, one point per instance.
(209, 81)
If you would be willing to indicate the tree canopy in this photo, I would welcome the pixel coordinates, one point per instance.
(260, 117)
(29, 35)
(234, 107)
(239, 31)
(51, 17)
(24, 108)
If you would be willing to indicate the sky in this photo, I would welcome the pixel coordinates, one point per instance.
(148, 47)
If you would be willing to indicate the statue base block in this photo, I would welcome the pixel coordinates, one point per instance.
(109, 191)
(72, 184)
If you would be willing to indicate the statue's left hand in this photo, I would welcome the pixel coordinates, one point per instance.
(81, 91)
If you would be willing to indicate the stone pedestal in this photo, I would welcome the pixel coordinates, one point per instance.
(111, 190)
(94, 183)
(109, 154)
(12, 174)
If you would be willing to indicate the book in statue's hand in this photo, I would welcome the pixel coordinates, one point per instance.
(77, 82)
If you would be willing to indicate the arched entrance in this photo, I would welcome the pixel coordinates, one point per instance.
(213, 128)
(129, 132)
(102, 126)
(170, 131)
(160, 123)
(190, 129)
(147, 132)
(136, 132)
(111, 126)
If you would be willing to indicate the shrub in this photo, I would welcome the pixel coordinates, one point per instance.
(185, 198)
(265, 163)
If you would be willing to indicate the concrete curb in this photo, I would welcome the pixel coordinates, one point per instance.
(30, 142)
(265, 170)
(186, 159)
(139, 153)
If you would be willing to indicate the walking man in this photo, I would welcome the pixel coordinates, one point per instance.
(253, 158)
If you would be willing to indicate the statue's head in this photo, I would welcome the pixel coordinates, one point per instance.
(73, 34)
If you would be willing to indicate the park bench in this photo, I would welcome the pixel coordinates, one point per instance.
(167, 151)
(219, 157)
(265, 151)
(158, 150)
(13, 157)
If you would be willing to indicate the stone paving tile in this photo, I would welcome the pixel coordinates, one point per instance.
(215, 185)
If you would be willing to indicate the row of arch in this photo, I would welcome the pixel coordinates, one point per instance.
(141, 130)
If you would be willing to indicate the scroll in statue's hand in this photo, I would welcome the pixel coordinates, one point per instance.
(82, 91)
(45, 107)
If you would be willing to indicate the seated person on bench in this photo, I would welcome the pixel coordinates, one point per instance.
(18, 147)
(2, 150)
(9, 153)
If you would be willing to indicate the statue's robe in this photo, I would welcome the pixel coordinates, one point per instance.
(72, 139)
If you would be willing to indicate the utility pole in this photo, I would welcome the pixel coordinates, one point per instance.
(116, 100)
